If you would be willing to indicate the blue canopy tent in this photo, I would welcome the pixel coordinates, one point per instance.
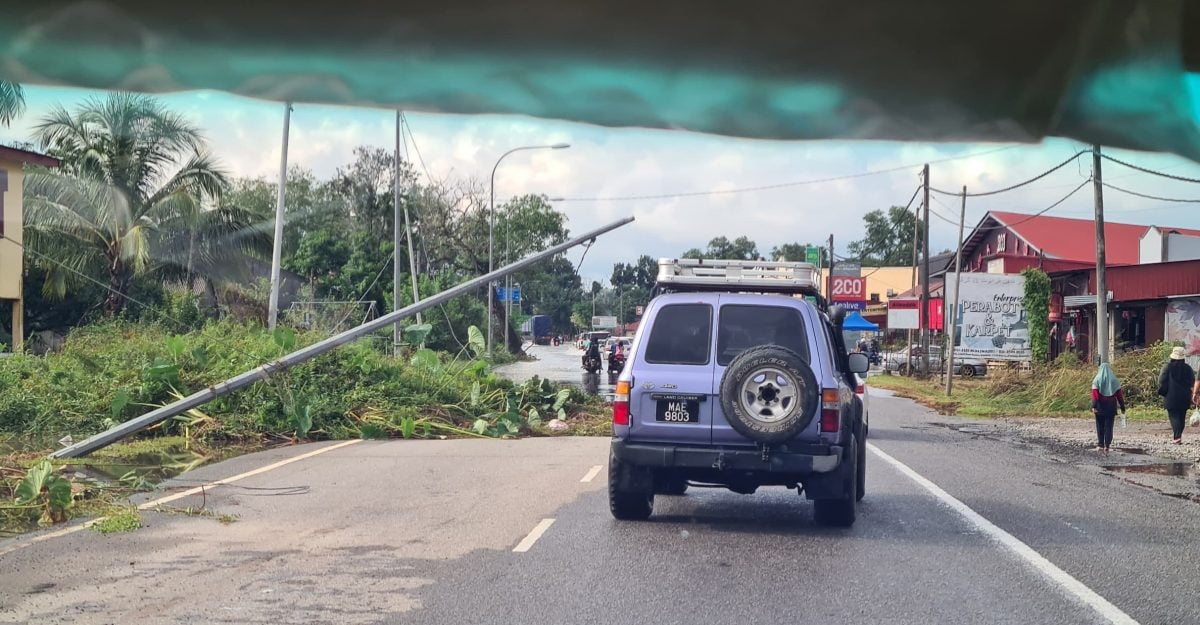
(855, 323)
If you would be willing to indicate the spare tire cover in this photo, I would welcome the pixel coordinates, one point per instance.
(769, 394)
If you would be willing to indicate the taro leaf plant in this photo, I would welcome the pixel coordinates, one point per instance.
(45, 490)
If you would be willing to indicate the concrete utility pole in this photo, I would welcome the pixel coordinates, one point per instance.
(397, 331)
(1101, 284)
(829, 286)
(925, 321)
(277, 247)
(913, 285)
(951, 322)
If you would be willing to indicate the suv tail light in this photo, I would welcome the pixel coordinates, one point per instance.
(860, 389)
(621, 404)
(830, 414)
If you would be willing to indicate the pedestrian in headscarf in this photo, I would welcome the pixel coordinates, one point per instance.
(1106, 398)
(1175, 385)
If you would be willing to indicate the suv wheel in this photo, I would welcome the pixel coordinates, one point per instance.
(769, 394)
(860, 489)
(843, 511)
(625, 505)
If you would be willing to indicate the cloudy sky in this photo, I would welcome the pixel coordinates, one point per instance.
(601, 176)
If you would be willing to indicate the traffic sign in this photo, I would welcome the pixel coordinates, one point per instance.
(503, 294)
(812, 255)
(639, 310)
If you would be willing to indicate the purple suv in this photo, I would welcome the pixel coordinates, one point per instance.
(741, 391)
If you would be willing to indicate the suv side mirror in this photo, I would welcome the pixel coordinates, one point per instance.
(858, 362)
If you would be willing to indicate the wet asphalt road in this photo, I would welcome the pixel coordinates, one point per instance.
(424, 532)
(560, 364)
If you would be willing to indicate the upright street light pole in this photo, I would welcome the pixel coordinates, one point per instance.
(492, 228)
(277, 246)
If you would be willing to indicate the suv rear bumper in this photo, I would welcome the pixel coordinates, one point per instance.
(792, 458)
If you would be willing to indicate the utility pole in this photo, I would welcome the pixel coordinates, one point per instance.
(397, 331)
(1101, 284)
(952, 322)
(916, 229)
(926, 326)
(829, 286)
(277, 247)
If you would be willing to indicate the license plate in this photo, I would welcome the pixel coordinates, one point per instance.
(677, 411)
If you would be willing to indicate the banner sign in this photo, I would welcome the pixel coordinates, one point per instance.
(991, 322)
(905, 314)
(604, 322)
(848, 288)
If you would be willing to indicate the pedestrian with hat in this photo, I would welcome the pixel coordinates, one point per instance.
(1176, 385)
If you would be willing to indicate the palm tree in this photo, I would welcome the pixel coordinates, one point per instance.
(12, 101)
(133, 176)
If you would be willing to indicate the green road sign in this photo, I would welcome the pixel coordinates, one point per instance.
(812, 255)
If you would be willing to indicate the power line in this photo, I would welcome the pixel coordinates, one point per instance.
(416, 148)
(1149, 171)
(1019, 184)
(1150, 197)
(781, 185)
(1041, 212)
(156, 311)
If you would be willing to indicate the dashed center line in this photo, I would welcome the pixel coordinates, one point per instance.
(536, 533)
(591, 474)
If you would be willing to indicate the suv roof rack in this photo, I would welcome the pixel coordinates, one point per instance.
(752, 276)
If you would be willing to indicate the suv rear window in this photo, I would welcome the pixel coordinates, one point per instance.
(742, 327)
(681, 335)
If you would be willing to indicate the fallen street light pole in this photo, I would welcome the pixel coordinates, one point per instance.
(265, 371)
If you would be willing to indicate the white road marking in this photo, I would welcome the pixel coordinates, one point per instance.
(21, 544)
(1061, 578)
(591, 474)
(536, 533)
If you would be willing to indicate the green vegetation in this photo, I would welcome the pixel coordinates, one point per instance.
(45, 493)
(1061, 389)
(126, 520)
(111, 371)
(1037, 307)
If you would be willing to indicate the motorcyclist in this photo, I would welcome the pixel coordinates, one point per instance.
(592, 354)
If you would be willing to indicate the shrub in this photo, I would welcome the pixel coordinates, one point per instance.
(114, 370)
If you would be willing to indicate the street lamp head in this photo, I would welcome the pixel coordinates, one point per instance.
(560, 146)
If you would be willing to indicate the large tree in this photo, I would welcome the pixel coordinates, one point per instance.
(721, 248)
(133, 175)
(889, 238)
(12, 102)
(796, 252)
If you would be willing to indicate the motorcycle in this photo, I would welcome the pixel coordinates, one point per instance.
(616, 362)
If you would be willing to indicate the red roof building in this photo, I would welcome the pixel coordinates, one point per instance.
(1006, 242)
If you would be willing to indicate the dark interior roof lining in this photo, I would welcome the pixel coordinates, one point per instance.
(1108, 71)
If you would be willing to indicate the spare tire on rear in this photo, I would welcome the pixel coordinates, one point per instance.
(769, 394)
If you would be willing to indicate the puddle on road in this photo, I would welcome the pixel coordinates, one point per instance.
(1132, 450)
(1175, 469)
(599, 384)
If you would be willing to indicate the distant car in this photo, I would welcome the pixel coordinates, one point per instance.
(898, 362)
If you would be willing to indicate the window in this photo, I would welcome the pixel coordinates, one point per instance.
(742, 327)
(1002, 242)
(681, 335)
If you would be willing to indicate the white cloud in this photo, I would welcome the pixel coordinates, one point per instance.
(606, 163)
